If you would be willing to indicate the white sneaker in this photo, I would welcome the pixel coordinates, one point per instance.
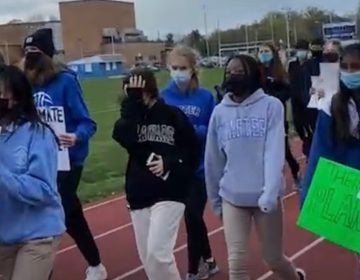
(301, 273)
(96, 273)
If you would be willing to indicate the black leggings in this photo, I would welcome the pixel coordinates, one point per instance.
(293, 164)
(77, 227)
(197, 234)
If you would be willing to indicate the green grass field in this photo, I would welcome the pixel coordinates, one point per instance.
(105, 167)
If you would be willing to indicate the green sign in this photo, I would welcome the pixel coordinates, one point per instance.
(332, 206)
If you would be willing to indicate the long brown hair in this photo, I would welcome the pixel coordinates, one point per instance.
(40, 70)
(278, 70)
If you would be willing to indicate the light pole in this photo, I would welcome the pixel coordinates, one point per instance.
(206, 32)
(272, 28)
(287, 19)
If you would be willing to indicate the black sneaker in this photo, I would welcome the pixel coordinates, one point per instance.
(301, 273)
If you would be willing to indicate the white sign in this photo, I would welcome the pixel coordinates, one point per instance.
(325, 85)
(54, 116)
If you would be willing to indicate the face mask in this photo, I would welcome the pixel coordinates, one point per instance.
(301, 55)
(331, 57)
(236, 84)
(316, 54)
(180, 76)
(350, 80)
(4, 107)
(265, 57)
(32, 59)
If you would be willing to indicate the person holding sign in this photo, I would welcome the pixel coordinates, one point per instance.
(337, 135)
(274, 82)
(197, 103)
(163, 157)
(59, 100)
(244, 162)
(31, 215)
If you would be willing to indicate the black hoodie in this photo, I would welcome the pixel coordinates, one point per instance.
(163, 130)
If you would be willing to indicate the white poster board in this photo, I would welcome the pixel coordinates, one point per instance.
(54, 116)
(327, 83)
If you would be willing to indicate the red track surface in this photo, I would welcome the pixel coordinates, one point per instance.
(110, 223)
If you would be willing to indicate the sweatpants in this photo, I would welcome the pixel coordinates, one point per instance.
(32, 260)
(237, 226)
(76, 224)
(156, 229)
(197, 234)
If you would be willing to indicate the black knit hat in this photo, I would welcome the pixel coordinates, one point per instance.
(43, 40)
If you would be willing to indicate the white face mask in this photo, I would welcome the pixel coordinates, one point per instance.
(180, 76)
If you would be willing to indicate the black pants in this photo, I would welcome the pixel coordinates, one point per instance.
(293, 164)
(77, 227)
(197, 235)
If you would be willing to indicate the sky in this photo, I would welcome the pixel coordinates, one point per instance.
(181, 16)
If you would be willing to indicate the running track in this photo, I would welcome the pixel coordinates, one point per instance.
(110, 223)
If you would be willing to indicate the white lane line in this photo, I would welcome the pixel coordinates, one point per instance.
(180, 248)
(106, 202)
(67, 249)
(298, 254)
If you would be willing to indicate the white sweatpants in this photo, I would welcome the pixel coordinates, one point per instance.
(156, 229)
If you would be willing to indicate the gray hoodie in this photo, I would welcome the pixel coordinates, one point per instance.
(245, 152)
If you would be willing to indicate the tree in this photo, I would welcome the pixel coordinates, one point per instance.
(169, 40)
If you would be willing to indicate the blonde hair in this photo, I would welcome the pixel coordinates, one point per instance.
(192, 56)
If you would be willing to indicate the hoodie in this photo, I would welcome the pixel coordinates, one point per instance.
(165, 131)
(325, 146)
(30, 205)
(65, 91)
(198, 106)
(244, 157)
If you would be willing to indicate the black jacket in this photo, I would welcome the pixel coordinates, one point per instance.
(166, 131)
(279, 89)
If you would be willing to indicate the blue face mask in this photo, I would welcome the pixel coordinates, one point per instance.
(301, 55)
(180, 76)
(265, 57)
(350, 79)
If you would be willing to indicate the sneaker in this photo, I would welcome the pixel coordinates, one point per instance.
(191, 276)
(301, 273)
(96, 273)
(207, 269)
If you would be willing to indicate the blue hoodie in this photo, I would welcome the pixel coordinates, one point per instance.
(198, 106)
(244, 156)
(65, 91)
(323, 145)
(30, 206)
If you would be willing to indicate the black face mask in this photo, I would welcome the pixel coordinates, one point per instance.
(135, 94)
(237, 84)
(316, 54)
(331, 57)
(32, 59)
(4, 107)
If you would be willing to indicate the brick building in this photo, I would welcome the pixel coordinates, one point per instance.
(92, 27)
(87, 28)
(12, 36)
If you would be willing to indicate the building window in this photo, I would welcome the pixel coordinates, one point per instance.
(88, 67)
(152, 57)
(75, 68)
(107, 66)
(114, 66)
